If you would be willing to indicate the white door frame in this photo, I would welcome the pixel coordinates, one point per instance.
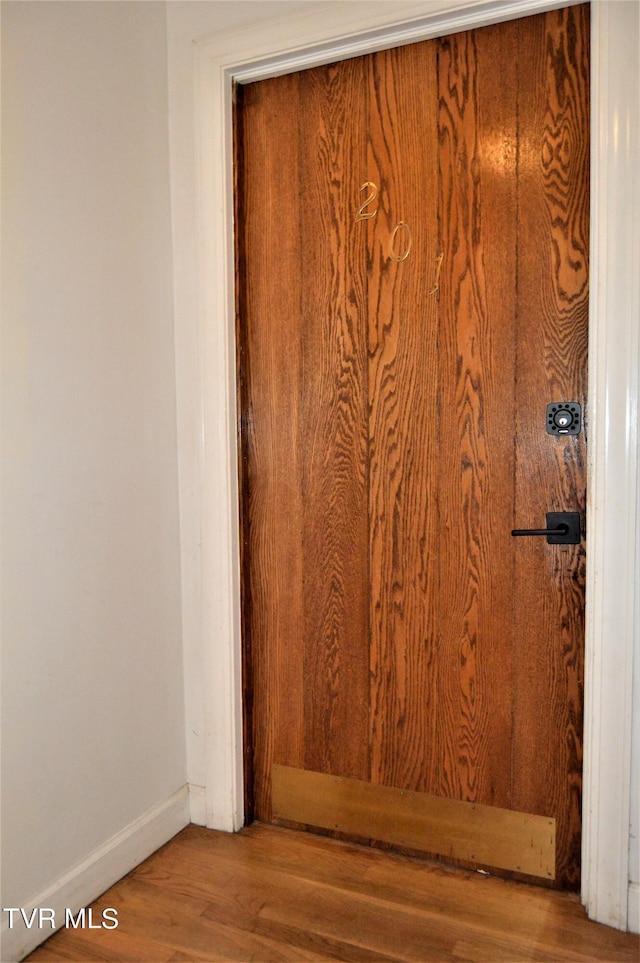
(320, 34)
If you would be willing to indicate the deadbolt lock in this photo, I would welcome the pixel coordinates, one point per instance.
(564, 418)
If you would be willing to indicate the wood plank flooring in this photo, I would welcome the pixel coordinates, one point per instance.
(273, 894)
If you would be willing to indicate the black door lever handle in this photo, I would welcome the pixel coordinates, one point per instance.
(560, 530)
(563, 528)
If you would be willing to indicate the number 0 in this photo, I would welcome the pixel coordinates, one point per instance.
(405, 254)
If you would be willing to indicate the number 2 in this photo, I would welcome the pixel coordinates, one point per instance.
(363, 215)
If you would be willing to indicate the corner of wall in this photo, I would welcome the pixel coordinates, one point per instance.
(198, 805)
(102, 868)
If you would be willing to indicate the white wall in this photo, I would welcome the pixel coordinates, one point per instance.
(92, 691)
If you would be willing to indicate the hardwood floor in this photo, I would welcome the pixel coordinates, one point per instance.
(273, 894)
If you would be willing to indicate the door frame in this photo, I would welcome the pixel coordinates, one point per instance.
(206, 371)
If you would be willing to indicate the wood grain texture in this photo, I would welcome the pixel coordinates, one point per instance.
(477, 82)
(302, 349)
(333, 443)
(403, 390)
(271, 894)
(553, 236)
(269, 373)
(393, 430)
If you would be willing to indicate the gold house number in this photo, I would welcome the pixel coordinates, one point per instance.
(364, 215)
(400, 240)
(397, 256)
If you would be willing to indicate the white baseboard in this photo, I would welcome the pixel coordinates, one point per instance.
(633, 913)
(101, 869)
(198, 805)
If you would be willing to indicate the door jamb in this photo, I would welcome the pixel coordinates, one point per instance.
(329, 34)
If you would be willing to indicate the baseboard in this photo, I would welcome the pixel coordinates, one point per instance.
(101, 869)
(633, 913)
(198, 805)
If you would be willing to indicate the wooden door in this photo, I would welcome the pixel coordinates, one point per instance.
(412, 245)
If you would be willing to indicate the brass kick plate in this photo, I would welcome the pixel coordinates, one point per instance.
(515, 841)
